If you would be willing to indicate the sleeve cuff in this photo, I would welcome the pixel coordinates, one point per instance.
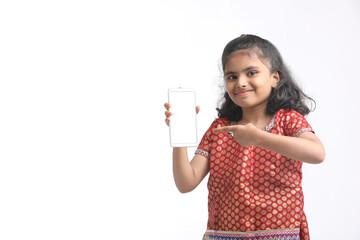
(301, 131)
(202, 153)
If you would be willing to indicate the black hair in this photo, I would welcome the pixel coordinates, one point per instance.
(286, 95)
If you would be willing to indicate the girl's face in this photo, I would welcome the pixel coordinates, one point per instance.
(249, 80)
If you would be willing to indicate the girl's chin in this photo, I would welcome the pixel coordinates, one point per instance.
(250, 105)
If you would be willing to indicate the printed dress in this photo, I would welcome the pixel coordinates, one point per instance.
(254, 193)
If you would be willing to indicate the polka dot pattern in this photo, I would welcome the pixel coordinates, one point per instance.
(252, 188)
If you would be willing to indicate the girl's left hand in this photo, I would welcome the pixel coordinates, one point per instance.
(245, 135)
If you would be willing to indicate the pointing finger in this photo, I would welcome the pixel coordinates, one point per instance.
(219, 129)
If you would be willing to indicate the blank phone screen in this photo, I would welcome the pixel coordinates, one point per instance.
(183, 130)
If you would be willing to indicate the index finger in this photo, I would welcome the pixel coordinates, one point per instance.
(224, 129)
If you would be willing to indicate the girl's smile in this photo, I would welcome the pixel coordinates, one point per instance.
(243, 93)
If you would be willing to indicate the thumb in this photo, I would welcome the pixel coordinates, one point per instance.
(197, 109)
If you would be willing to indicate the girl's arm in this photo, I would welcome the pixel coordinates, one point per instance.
(188, 175)
(305, 148)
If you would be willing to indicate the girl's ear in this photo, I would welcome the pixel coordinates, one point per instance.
(275, 79)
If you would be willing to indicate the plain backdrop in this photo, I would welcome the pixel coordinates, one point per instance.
(84, 150)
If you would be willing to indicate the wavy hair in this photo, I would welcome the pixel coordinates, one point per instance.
(287, 94)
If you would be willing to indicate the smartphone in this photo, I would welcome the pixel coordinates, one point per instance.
(183, 122)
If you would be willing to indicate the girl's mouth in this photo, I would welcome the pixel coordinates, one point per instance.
(244, 93)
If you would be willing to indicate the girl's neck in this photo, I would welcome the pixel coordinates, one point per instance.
(255, 116)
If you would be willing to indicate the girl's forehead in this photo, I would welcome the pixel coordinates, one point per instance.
(244, 57)
(245, 54)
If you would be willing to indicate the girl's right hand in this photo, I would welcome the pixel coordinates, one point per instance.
(168, 113)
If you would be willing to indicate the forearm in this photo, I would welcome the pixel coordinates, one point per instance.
(307, 149)
(183, 171)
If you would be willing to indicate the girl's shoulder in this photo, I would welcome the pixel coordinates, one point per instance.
(218, 121)
(221, 121)
(292, 122)
(288, 114)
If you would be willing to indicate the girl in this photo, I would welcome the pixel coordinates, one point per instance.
(254, 151)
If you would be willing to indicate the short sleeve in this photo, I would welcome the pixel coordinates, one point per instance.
(295, 124)
(204, 147)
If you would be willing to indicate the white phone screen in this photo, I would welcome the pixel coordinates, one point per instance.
(183, 126)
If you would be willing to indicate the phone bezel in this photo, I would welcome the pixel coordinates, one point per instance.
(183, 144)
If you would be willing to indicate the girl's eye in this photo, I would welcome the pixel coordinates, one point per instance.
(252, 73)
(231, 77)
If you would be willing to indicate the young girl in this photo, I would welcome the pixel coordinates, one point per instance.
(254, 151)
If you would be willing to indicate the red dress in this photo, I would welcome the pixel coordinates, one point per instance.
(254, 193)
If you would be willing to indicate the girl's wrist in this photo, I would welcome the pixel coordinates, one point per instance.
(179, 148)
(259, 137)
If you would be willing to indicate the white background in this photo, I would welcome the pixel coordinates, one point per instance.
(84, 150)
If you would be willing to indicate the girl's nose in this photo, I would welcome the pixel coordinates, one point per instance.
(242, 82)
